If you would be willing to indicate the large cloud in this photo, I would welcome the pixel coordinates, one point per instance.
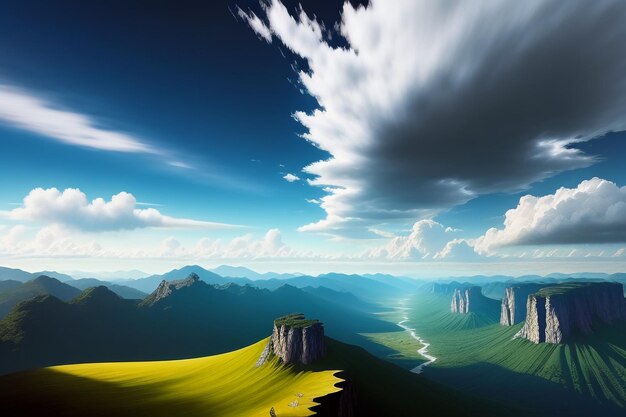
(71, 208)
(593, 212)
(428, 240)
(434, 103)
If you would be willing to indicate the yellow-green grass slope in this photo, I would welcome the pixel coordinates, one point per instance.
(223, 385)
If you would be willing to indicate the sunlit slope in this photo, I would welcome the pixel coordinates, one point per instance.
(223, 385)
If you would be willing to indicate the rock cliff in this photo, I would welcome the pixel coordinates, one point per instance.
(465, 300)
(513, 309)
(166, 288)
(554, 313)
(298, 340)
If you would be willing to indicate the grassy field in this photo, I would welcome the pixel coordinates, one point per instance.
(223, 385)
(482, 358)
(401, 348)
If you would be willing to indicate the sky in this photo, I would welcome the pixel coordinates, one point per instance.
(414, 137)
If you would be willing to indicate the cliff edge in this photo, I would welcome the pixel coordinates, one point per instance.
(513, 308)
(296, 339)
(554, 313)
(466, 300)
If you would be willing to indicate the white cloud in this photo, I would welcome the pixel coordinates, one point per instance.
(593, 212)
(431, 103)
(28, 112)
(256, 24)
(71, 208)
(428, 240)
(291, 178)
(457, 250)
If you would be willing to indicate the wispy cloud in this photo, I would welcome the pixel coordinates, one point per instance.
(23, 110)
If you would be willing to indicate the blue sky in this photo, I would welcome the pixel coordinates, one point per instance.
(189, 107)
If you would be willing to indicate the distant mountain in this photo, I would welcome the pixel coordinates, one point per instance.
(110, 275)
(14, 274)
(121, 290)
(8, 284)
(188, 318)
(53, 274)
(243, 272)
(42, 285)
(148, 284)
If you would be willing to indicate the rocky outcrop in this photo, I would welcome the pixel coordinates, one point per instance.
(298, 340)
(166, 288)
(554, 313)
(513, 308)
(464, 300)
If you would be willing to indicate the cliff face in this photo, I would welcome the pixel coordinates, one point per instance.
(554, 313)
(298, 340)
(513, 308)
(166, 288)
(464, 300)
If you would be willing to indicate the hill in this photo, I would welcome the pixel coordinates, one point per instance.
(14, 274)
(42, 285)
(193, 320)
(223, 385)
(121, 290)
(232, 384)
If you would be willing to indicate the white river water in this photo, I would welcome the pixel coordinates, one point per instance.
(424, 350)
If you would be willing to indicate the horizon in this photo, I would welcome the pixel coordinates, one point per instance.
(277, 138)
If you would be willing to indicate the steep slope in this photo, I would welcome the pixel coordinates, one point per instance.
(223, 385)
(555, 313)
(513, 307)
(121, 290)
(42, 285)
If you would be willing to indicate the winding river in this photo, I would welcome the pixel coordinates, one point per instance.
(424, 350)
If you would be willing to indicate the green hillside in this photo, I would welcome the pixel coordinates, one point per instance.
(222, 385)
(484, 359)
(42, 285)
(231, 384)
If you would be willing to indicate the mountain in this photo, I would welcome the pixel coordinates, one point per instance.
(121, 290)
(14, 274)
(181, 319)
(8, 284)
(243, 272)
(53, 274)
(365, 288)
(42, 285)
(110, 275)
(148, 284)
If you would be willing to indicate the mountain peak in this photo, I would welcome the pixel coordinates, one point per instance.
(166, 288)
(99, 294)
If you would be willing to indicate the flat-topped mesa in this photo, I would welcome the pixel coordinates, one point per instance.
(464, 300)
(513, 309)
(296, 339)
(554, 313)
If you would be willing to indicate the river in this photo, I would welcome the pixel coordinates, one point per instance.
(424, 350)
